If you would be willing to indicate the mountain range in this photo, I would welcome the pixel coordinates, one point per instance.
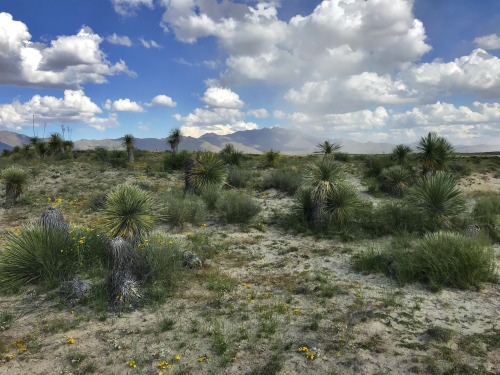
(248, 141)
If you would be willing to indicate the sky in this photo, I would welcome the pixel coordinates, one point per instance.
(365, 70)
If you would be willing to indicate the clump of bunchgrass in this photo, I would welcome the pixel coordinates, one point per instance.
(238, 177)
(184, 208)
(36, 254)
(230, 155)
(237, 207)
(271, 157)
(287, 180)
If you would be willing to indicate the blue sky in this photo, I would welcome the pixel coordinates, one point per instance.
(374, 70)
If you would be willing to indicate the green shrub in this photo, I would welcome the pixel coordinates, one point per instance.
(174, 162)
(182, 208)
(159, 258)
(37, 254)
(238, 178)
(454, 260)
(129, 212)
(375, 165)
(118, 158)
(341, 156)
(442, 259)
(230, 155)
(286, 180)
(91, 247)
(236, 207)
(271, 158)
(487, 209)
(342, 204)
(210, 197)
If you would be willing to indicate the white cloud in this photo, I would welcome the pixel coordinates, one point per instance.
(258, 113)
(222, 97)
(162, 100)
(477, 73)
(220, 129)
(352, 93)
(349, 37)
(150, 44)
(277, 114)
(488, 42)
(121, 40)
(68, 62)
(125, 105)
(143, 126)
(75, 107)
(128, 8)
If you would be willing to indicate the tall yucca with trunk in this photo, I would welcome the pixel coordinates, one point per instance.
(129, 143)
(56, 144)
(321, 179)
(129, 213)
(208, 172)
(15, 180)
(434, 153)
(327, 148)
(174, 138)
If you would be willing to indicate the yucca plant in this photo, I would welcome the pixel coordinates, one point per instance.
(15, 180)
(327, 148)
(438, 196)
(68, 145)
(129, 213)
(434, 153)
(321, 178)
(174, 138)
(55, 144)
(395, 180)
(208, 172)
(271, 157)
(36, 254)
(342, 203)
(129, 142)
(401, 154)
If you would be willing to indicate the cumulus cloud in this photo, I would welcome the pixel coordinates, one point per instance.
(67, 63)
(143, 126)
(477, 73)
(121, 40)
(222, 97)
(162, 100)
(488, 42)
(128, 8)
(258, 113)
(124, 105)
(150, 44)
(222, 114)
(74, 107)
(352, 93)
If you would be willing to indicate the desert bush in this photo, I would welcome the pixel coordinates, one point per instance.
(14, 179)
(393, 217)
(287, 180)
(174, 161)
(36, 254)
(159, 258)
(394, 180)
(375, 164)
(118, 158)
(270, 158)
(454, 260)
(238, 177)
(438, 196)
(91, 248)
(184, 208)
(129, 212)
(230, 155)
(401, 154)
(487, 209)
(210, 197)
(100, 154)
(341, 156)
(442, 259)
(236, 207)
